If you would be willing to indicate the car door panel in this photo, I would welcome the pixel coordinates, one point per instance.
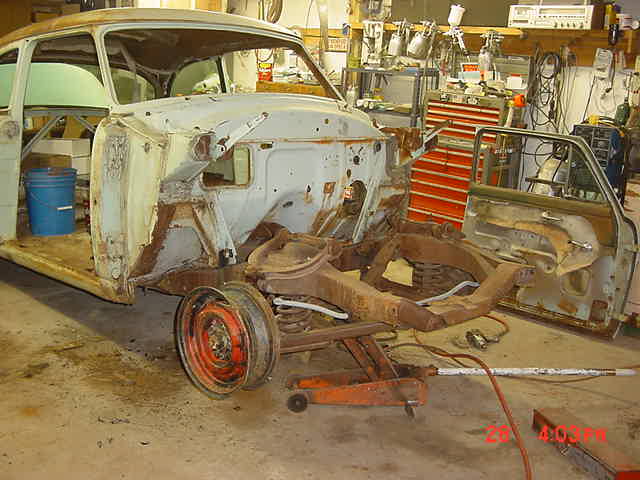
(578, 245)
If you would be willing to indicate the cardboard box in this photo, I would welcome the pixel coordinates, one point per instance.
(81, 164)
(73, 147)
(41, 160)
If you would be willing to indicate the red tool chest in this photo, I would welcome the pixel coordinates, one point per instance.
(440, 179)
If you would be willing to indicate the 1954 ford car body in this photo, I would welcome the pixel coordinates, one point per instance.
(185, 167)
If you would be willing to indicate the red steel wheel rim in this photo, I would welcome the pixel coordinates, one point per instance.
(215, 346)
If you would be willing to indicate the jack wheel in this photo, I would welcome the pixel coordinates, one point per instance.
(297, 403)
(227, 338)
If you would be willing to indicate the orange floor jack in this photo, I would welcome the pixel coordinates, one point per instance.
(378, 382)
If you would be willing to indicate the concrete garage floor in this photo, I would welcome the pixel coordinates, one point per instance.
(93, 390)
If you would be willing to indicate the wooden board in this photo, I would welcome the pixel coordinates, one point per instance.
(583, 43)
(299, 88)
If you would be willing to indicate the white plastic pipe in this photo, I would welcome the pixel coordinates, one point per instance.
(311, 306)
(442, 296)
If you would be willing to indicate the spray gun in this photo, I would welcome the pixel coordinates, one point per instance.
(399, 38)
(458, 36)
(455, 36)
(491, 50)
(421, 45)
(455, 19)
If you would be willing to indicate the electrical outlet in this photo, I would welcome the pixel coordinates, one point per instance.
(602, 63)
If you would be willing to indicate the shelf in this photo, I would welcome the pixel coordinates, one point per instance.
(430, 72)
(445, 28)
(386, 112)
(525, 41)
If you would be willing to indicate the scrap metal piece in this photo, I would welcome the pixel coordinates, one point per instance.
(477, 339)
(584, 446)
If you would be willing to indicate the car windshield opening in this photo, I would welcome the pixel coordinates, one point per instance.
(151, 63)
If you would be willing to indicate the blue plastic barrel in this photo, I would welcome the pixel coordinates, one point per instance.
(51, 200)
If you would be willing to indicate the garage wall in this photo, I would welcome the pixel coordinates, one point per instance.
(630, 6)
(14, 14)
(303, 13)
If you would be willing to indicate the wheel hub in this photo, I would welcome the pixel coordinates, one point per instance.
(219, 340)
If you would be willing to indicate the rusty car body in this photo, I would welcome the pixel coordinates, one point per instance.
(237, 200)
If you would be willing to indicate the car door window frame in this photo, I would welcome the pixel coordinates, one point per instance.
(14, 81)
(575, 142)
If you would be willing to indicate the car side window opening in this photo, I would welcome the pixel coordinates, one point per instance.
(232, 169)
(537, 166)
(65, 72)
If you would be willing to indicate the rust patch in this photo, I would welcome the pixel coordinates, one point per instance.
(394, 202)
(308, 198)
(182, 282)
(598, 311)
(320, 220)
(409, 139)
(567, 306)
(329, 188)
(147, 259)
(329, 140)
(357, 141)
(30, 411)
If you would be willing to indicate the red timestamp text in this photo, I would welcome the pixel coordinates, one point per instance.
(572, 434)
(548, 434)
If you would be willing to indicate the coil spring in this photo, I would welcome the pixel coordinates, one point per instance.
(428, 274)
(293, 319)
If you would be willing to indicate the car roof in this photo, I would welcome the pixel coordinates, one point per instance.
(132, 15)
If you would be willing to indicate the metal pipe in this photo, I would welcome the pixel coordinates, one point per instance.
(38, 136)
(350, 330)
(442, 296)
(535, 371)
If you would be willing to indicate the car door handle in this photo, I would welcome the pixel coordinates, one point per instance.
(549, 217)
(583, 245)
(496, 202)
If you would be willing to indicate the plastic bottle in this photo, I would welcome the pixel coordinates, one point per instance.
(352, 96)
